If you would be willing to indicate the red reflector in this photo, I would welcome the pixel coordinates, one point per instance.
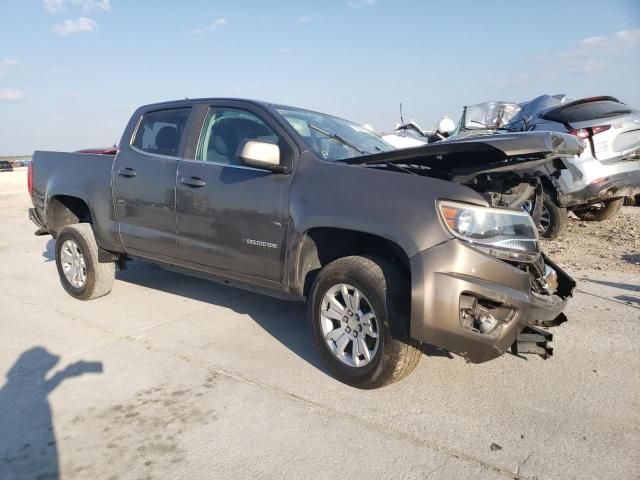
(580, 133)
(30, 178)
(600, 128)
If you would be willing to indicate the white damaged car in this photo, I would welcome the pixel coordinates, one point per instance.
(594, 184)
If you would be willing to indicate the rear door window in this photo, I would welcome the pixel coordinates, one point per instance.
(161, 132)
(583, 112)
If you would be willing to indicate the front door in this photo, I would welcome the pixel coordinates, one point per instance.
(144, 183)
(231, 216)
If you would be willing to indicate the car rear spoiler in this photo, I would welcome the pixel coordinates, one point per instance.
(491, 153)
(552, 114)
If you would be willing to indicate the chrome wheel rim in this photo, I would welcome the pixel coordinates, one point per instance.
(349, 325)
(73, 264)
(545, 216)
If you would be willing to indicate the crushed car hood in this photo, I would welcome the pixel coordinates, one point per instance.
(488, 153)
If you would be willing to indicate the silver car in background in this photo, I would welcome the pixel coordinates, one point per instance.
(594, 184)
(609, 167)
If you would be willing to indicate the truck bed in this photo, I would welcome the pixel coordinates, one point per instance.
(81, 175)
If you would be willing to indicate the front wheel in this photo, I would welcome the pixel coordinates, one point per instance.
(354, 305)
(553, 218)
(81, 275)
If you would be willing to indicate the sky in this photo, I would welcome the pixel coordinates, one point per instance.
(73, 71)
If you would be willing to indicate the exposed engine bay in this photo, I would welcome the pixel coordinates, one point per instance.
(506, 168)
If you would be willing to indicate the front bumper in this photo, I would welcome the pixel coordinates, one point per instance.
(625, 184)
(440, 275)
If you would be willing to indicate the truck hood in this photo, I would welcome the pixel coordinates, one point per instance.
(483, 154)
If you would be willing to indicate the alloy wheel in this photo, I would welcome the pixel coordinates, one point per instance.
(545, 216)
(349, 325)
(73, 264)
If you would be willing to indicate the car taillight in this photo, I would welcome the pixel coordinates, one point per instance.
(585, 133)
(582, 133)
(30, 178)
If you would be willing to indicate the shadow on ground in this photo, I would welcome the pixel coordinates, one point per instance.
(628, 299)
(49, 254)
(632, 258)
(28, 448)
(621, 286)
(284, 320)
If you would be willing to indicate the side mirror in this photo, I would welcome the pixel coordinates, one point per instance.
(259, 154)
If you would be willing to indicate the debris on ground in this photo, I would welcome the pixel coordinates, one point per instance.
(612, 245)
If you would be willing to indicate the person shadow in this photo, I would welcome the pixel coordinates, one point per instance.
(28, 447)
(49, 253)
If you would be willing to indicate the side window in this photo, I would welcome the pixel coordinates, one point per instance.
(224, 131)
(160, 132)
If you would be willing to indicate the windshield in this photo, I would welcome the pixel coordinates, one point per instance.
(489, 115)
(333, 138)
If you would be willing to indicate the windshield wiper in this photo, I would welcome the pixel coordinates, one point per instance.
(336, 137)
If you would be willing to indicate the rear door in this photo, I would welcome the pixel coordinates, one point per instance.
(144, 182)
(231, 216)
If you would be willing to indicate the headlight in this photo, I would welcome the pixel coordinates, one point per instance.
(504, 233)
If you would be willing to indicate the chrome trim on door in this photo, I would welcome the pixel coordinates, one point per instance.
(142, 152)
(240, 167)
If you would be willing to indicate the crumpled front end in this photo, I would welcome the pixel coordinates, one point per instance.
(476, 305)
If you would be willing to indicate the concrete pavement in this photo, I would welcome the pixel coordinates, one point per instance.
(182, 378)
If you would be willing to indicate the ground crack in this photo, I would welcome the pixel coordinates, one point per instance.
(437, 469)
(521, 464)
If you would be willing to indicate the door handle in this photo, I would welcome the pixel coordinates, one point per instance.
(193, 182)
(127, 172)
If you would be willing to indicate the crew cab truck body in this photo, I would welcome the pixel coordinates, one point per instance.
(390, 249)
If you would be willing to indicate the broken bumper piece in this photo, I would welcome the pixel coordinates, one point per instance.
(533, 341)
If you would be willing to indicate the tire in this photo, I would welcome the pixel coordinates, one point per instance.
(98, 277)
(384, 288)
(558, 217)
(554, 217)
(607, 210)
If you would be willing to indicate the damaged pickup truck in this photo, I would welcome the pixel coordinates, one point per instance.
(390, 248)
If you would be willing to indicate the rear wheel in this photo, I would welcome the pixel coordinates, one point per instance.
(600, 212)
(81, 275)
(355, 303)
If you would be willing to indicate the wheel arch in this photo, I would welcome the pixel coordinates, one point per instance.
(551, 189)
(318, 246)
(63, 210)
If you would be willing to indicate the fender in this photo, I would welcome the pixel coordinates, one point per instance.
(358, 199)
